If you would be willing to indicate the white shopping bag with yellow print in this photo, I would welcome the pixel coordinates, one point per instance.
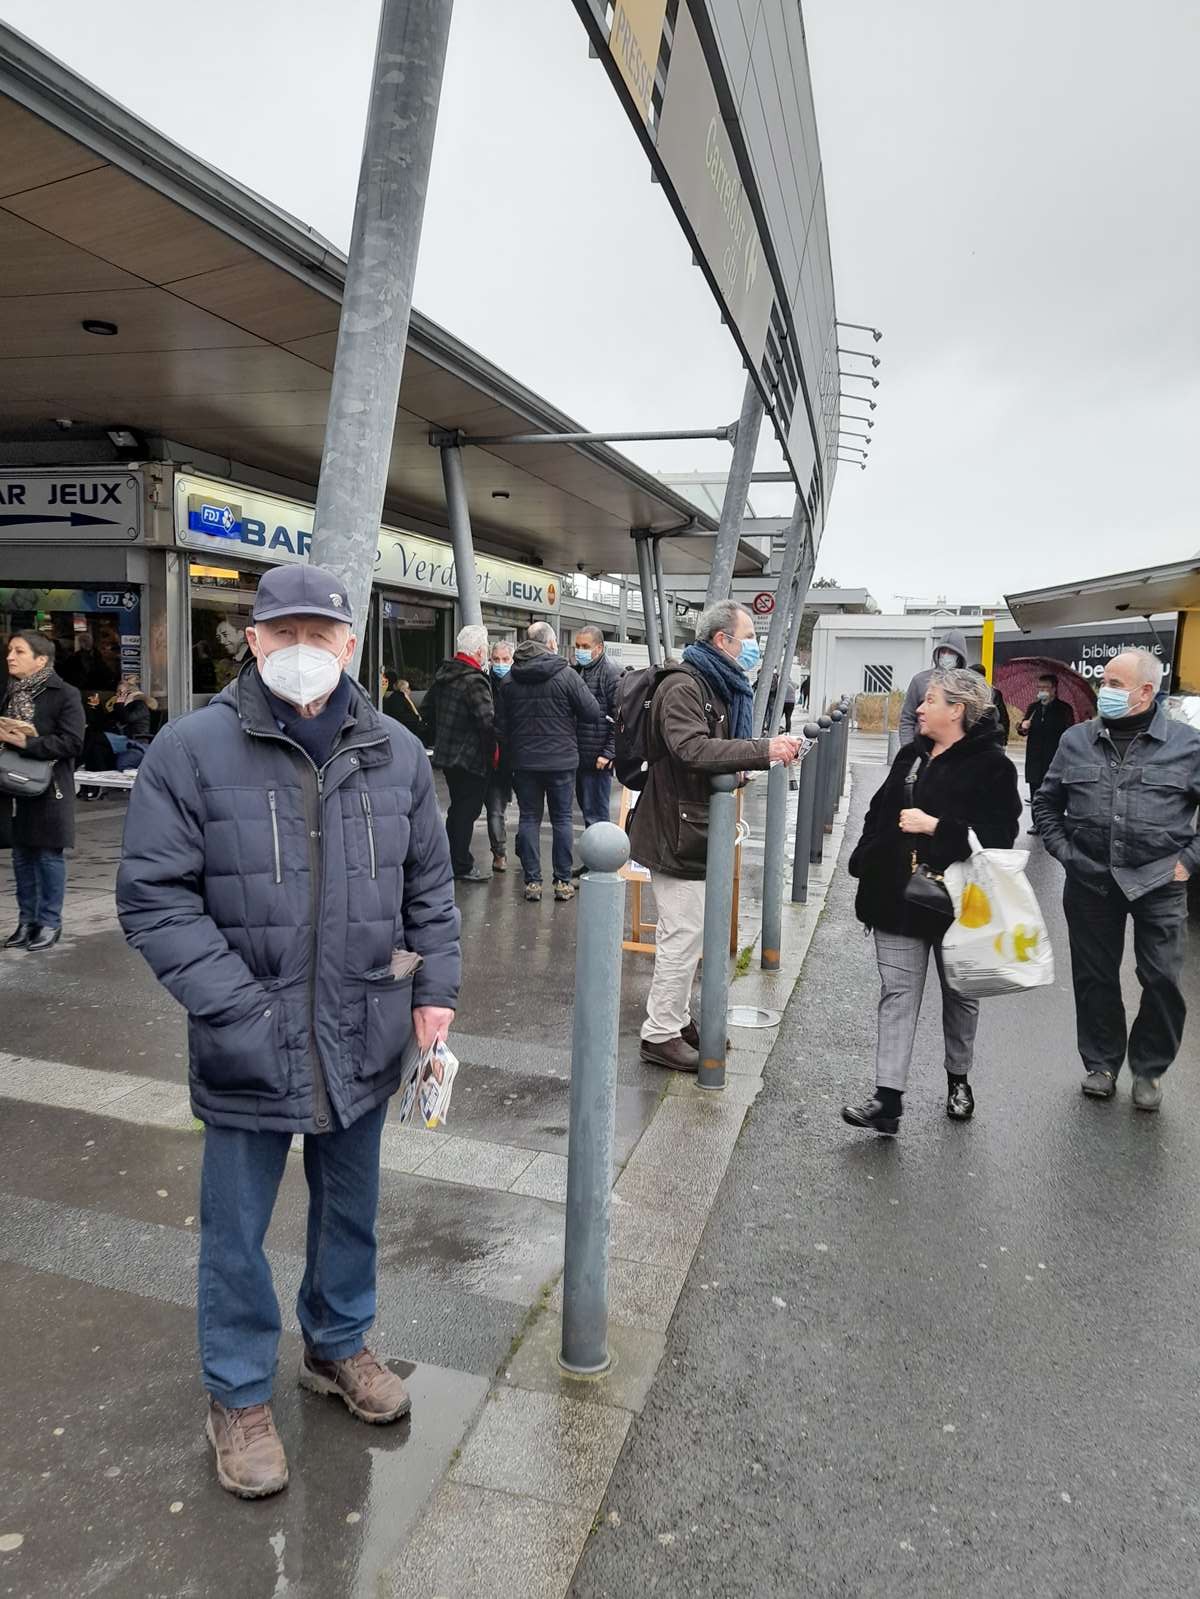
(998, 942)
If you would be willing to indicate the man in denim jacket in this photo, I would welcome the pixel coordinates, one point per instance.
(1118, 811)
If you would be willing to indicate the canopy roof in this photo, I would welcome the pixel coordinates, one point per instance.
(227, 312)
(1149, 591)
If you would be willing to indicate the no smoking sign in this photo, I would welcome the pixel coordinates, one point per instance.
(763, 604)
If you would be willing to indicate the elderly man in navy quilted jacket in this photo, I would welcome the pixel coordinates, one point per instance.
(286, 875)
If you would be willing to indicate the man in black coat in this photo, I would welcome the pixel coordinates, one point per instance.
(597, 740)
(1043, 726)
(43, 720)
(460, 723)
(542, 709)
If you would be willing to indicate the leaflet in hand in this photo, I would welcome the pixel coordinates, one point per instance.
(425, 1096)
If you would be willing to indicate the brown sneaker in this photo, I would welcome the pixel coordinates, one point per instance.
(250, 1458)
(364, 1385)
(672, 1053)
(691, 1035)
(563, 891)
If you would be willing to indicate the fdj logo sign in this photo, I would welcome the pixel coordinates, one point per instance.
(217, 518)
(116, 602)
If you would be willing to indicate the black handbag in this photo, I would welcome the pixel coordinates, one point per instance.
(21, 776)
(925, 889)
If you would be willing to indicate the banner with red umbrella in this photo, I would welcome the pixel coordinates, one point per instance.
(1017, 680)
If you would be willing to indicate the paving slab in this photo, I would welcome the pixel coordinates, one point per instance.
(634, 1352)
(542, 1446)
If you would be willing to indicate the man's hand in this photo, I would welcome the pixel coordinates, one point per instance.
(602, 763)
(917, 821)
(1182, 875)
(431, 1023)
(784, 749)
(1024, 728)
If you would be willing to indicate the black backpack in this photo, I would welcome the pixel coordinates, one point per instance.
(635, 692)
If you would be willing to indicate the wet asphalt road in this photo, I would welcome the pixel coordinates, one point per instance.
(957, 1365)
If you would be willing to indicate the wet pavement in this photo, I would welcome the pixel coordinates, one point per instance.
(961, 1364)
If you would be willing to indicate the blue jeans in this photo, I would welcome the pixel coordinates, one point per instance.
(593, 790)
(41, 876)
(237, 1311)
(554, 791)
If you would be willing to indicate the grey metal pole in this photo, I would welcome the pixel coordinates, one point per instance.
(718, 911)
(803, 578)
(460, 535)
(410, 55)
(781, 616)
(824, 749)
(604, 849)
(623, 612)
(805, 809)
(737, 487)
(829, 798)
(664, 609)
(774, 847)
(646, 584)
(845, 751)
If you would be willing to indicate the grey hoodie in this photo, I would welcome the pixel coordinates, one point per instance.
(953, 640)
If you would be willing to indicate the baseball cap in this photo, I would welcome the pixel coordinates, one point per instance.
(302, 591)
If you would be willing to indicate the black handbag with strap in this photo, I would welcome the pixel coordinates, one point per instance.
(22, 776)
(925, 889)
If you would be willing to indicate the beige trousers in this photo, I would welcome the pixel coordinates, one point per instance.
(678, 946)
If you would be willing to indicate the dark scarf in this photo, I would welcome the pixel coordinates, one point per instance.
(316, 735)
(23, 691)
(727, 680)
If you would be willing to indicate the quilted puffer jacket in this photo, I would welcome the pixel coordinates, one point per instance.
(268, 897)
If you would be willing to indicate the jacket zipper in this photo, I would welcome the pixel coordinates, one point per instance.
(366, 805)
(322, 1113)
(271, 801)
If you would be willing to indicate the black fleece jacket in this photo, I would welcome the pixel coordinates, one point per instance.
(970, 786)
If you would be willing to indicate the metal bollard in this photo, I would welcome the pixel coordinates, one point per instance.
(805, 806)
(774, 847)
(823, 751)
(604, 849)
(829, 798)
(718, 911)
(841, 794)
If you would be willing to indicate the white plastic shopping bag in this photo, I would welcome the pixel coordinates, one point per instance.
(998, 942)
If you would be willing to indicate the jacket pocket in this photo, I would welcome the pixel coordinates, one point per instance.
(388, 1027)
(1084, 790)
(245, 1056)
(691, 831)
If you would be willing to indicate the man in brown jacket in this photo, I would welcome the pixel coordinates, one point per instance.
(701, 724)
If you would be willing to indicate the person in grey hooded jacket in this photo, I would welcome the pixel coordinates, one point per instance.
(286, 875)
(949, 654)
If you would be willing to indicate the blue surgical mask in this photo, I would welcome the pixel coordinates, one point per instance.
(583, 657)
(749, 656)
(1113, 703)
(501, 668)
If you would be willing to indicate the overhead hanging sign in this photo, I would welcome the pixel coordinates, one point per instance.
(228, 520)
(104, 507)
(635, 39)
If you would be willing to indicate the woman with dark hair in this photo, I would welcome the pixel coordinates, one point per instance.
(398, 703)
(43, 719)
(951, 780)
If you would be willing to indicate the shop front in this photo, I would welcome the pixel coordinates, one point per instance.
(231, 534)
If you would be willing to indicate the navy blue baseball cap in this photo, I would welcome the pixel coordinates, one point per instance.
(302, 591)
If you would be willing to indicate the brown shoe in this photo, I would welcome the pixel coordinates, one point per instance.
(364, 1385)
(673, 1053)
(499, 863)
(250, 1458)
(691, 1035)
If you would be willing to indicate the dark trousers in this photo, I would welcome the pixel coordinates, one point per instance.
(499, 793)
(467, 791)
(1096, 924)
(237, 1311)
(593, 790)
(41, 879)
(553, 791)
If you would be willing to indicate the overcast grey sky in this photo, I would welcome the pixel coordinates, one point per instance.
(1013, 197)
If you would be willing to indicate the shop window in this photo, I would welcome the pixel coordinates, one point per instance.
(96, 631)
(413, 641)
(221, 601)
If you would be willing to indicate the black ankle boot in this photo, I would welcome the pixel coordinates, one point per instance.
(20, 939)
(879, 1115)
(43, 938)
(960, 1101)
